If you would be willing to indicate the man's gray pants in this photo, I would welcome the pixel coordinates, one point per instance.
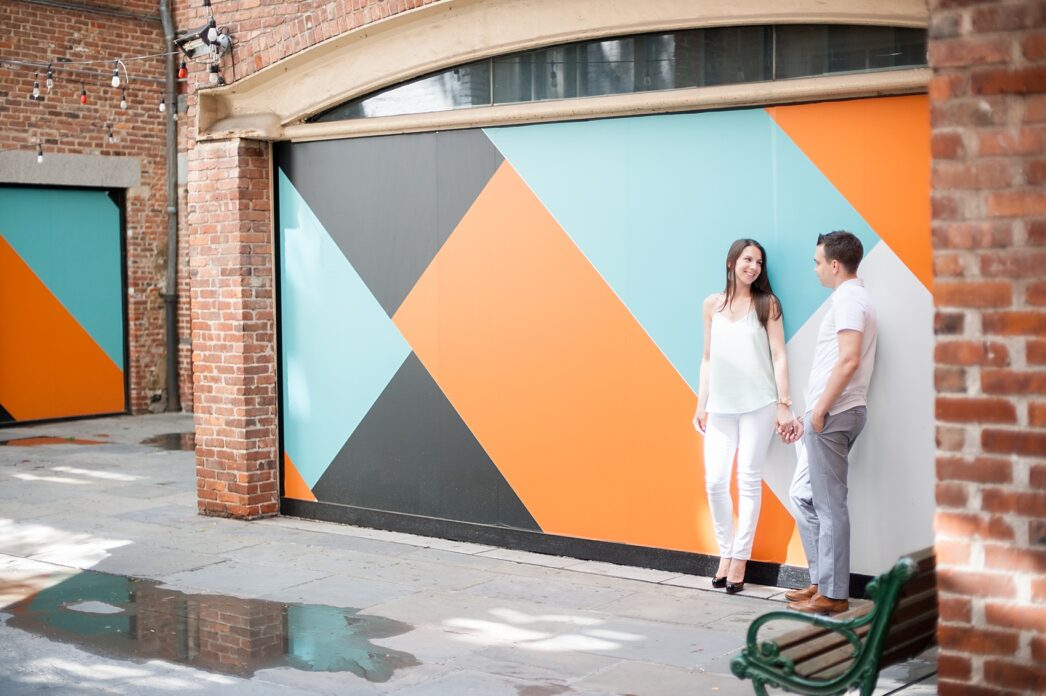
(819, 492)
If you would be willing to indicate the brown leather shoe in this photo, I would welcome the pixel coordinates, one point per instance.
(819, 604)
(801, 595)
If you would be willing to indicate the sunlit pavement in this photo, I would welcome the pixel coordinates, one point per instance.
(177, 602)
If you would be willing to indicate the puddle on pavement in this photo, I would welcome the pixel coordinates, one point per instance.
(172, 441)
(129, 618)
(39, 441)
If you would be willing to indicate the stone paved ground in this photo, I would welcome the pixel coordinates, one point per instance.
(473, 619)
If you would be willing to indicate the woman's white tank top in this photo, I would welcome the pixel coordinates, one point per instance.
(741, 377)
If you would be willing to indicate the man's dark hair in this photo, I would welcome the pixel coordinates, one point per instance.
(844, 247)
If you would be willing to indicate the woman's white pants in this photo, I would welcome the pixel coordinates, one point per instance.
(748, 435)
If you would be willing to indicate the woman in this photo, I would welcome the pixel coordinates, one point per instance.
(742, 400)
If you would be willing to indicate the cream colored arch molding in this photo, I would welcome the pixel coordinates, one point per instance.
(274, 103)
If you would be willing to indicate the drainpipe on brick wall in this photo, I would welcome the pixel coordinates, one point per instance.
(170, 296)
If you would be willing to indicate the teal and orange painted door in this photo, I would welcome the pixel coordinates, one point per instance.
(502, 326)
(61, 304)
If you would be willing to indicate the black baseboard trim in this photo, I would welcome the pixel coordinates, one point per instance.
(758, 572)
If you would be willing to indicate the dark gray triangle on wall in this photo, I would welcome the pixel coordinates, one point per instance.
(390, 202)
(413, 454)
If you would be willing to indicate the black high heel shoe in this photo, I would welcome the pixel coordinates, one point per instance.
(719, 583)
(733, 587)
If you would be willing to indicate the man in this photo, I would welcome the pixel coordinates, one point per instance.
(836, 412)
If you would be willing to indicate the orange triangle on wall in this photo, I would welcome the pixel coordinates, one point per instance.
(876, 152)
(294, 485)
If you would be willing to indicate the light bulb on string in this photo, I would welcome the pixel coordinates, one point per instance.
(183, 71)
(116, 74)
(39, 153)
(123, 99)
(83, 93)
(50, 77)
(36, 86)
(163, 105)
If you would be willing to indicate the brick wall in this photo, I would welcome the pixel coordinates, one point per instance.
(229, 224)
(233, 328)
(32, 32)
(989, 235)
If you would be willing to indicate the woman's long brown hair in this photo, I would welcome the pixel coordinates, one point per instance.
(767, 306)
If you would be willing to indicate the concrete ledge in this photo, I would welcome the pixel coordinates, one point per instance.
(21, 167)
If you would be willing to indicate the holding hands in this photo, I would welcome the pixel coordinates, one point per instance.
(789, 428)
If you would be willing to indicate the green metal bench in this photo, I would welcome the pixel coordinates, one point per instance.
(832, 655)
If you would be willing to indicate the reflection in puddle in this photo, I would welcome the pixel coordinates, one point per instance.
(130, 618)
(38, 441)
(172, 441)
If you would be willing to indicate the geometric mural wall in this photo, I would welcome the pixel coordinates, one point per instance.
(502, 326)
(61, 304)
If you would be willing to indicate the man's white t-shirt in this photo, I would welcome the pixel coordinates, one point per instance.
(849, 308)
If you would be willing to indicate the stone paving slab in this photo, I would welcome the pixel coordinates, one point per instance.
(483, 620)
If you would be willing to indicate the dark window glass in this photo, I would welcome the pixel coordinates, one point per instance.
(805, 50)
(649, 62)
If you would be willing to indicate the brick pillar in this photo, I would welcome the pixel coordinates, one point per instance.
(233, 328)
(989, 232)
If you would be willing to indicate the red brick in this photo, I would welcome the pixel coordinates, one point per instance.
(973, 234)
(1017, 262)
(1035, 351)
(1014, 442)
(1012, 382)
(1034, 46)
(1006, 16)
(971, 353)
(951, 495)
(975, 410)
(952, 523)
(948, 323)
(948, 265)
(982, 174)
(977, 641)
(1019, 203)
(1015, 675)
(950, 666)
(952, 551)
(1037, 476)
(950, 439)
(1035, 293)
(1015, 323)
(1018, 560)
(974, 294)
(966, 51)
(949, 379)
(976, 469)
(946, 145)
(1014, 615)
(1025, 503)
(1010, 141)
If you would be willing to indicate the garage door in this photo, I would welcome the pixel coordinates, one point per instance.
(61, 304)
(502, 327)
